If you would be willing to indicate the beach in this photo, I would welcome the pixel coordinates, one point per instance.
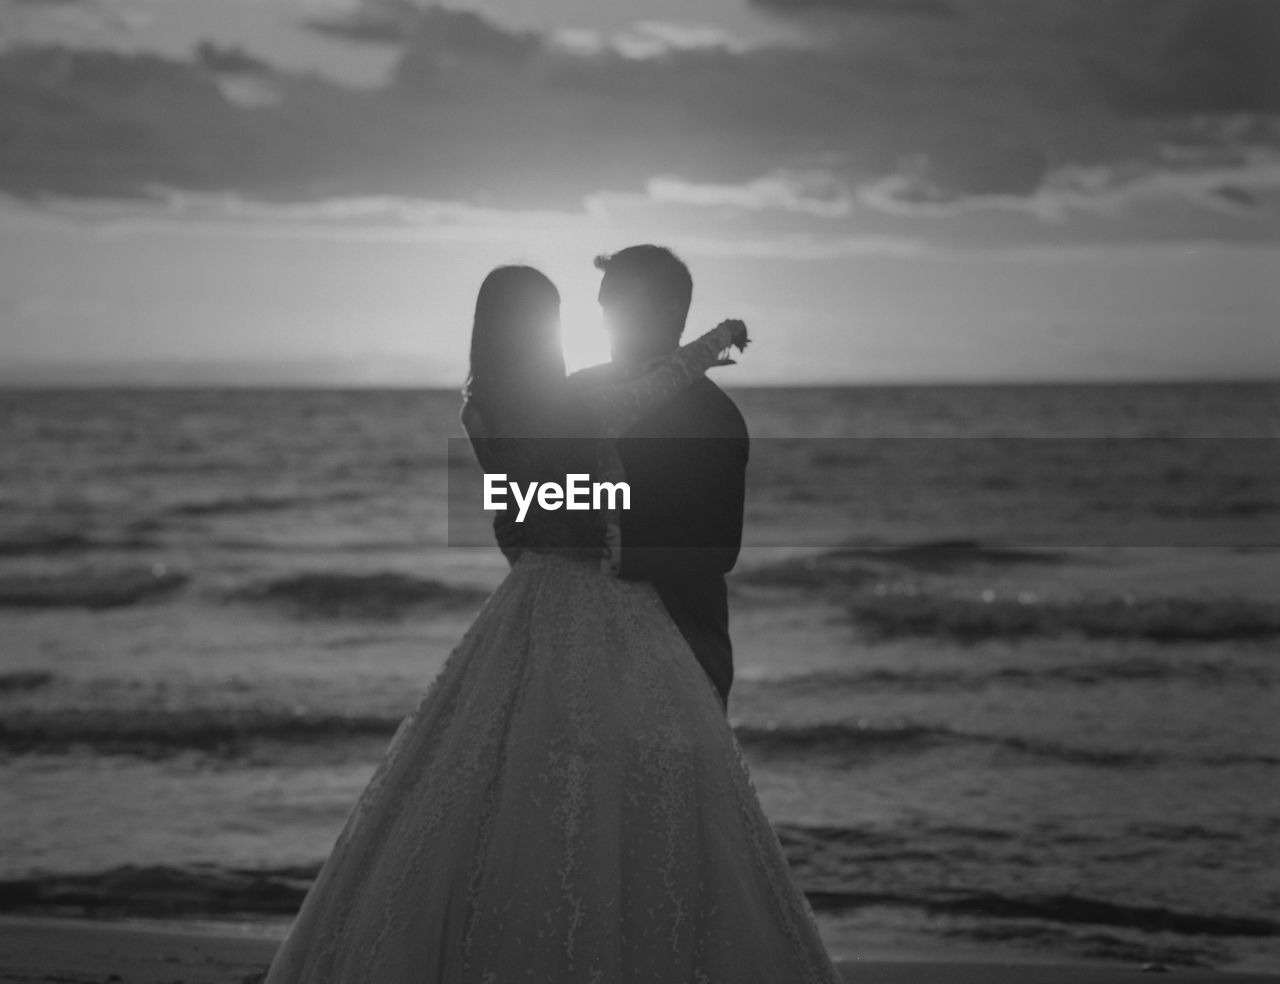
(82, 952)
(955, 658)
(1005, 664)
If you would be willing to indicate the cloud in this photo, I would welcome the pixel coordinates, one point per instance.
(250, 92)
(1143, 57)
(243, 80)
(377, 219)
(1246, 185)
(372, 211)
(429, 31)
(814, 193)
(578, 41)
(386, 219)
(804, 248)
(94, 122)
(928, 8)
(997, 110)
(387, 22)
(452, 224)
(407, 22)
(25, 19)
(1251, 186)
(655, 38)
(645, 39)
(1205, 56)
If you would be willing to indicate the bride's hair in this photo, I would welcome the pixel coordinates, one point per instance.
(517, 362)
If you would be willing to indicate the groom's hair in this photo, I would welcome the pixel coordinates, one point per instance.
(663, 274)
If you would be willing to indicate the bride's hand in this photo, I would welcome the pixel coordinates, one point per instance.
(738, 339)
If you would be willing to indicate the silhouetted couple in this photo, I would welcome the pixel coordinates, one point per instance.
(567, 802)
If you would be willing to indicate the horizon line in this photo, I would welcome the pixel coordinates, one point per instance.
(18, 385)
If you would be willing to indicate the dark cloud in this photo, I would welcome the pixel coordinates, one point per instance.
(388, 23)
(930, 8)
(1145, 57)
(986, 104)
(448, 47)
(107, 123)
(427, 30)
(1205, 56)
(229, 59)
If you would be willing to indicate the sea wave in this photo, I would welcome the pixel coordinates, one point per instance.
(1152, 951)
(23, 543)
(156, 733)
(855, 566)
(235, 504)
(1062, 908)
(230, 731)
(14, 681)
(162, 890)
(90, 588)
(949, 555)
(377, 595)
(52, 542)
(847, 742)
(1100, 672)
(912, 612)
(206, 889)
(844, 739)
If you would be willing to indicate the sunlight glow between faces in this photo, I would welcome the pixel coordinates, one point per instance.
(581, 322)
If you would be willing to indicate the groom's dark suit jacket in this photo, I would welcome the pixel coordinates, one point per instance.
(686, 465)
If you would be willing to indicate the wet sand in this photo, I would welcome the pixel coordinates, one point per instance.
(73, 951)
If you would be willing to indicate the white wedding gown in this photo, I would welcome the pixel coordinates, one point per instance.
(566, 805)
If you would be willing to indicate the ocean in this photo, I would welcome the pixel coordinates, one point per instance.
(1008, 658)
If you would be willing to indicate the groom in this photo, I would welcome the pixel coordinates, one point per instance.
(686, 462)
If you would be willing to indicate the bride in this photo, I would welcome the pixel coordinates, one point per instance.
(566, 803)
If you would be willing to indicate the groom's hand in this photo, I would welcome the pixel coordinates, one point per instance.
(738, 339)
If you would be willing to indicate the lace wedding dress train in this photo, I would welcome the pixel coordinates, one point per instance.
(566, 804)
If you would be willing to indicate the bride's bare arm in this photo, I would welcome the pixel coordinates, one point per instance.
(478, 434)
(614, 406)
(505, 530)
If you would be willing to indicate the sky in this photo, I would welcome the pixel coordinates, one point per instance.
(310, 191)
